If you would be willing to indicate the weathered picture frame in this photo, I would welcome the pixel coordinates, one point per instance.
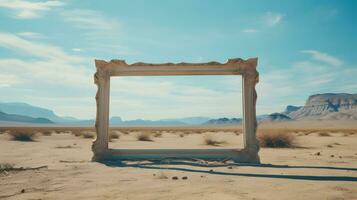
(245, 68)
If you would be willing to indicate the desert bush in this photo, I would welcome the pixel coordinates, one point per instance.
(210, 140)
(276, 139)
(143, 136)
(182, 134)
(76, 133)
(323, 134)
(47, 133)
(88, 134)
(158, 134)
(22, 135)
(114, 135)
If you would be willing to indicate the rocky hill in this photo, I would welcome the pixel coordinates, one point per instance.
(224, 121)
(331, 106)
(21, 118)
(275, 117)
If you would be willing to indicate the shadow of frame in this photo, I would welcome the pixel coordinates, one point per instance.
(175, 166)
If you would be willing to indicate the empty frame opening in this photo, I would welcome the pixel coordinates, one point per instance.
(175, 112)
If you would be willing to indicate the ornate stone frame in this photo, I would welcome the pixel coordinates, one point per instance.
(250, 76)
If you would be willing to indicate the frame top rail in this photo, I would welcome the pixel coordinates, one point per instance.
(235, 66)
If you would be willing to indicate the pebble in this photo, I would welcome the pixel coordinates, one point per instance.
(174, 178)
(184, 178)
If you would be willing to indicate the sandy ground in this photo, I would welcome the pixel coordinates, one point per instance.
(295, 173)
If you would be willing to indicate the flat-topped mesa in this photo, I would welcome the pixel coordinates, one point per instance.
(235, 66)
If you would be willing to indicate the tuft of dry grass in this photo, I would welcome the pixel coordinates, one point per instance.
(47, 133)
(276, 139)
(76, 132)
(210, 140)
(114, 135)
(143, 136)
(88, 134)
(323, 134)
(158, 134)
(22, 135)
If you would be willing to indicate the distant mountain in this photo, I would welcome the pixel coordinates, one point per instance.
(21, 118)
(289, 109)
(276, 117)
(141, 122)
(223, 121)
(31, 111)
(188, 120)
(331, 106)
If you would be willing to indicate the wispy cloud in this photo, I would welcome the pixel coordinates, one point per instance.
(40, 50)
(250, 30)
(90, 20)
(273, 19)
(323, 57)
(29, 34)
(29, 9)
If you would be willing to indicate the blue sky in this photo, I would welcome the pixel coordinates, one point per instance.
(47, 50)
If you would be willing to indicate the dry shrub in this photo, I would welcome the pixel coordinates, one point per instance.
(114, 135)
(323, 134)
(143, 136)
(276, 139)
(182, 135)
(158, 134)
(88, 134)
(210, 140)
(76, 133)
(22, 135)
(47, 133)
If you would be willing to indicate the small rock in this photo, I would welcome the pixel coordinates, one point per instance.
(230, 167)
(154, 174)
(332, 156)
(202, 176)
(340, 156)
(211, 170)
(23, 191)
(318, 153)
(174, 178)
(184, 178)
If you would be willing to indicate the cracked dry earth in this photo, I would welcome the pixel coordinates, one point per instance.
(295, 173)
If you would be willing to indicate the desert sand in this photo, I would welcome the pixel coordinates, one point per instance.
(320, 167)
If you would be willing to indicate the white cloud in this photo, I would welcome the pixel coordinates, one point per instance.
(8, 80)
(30, 34)
(273, 19)
(40, 50)
(29, 9)
(76, 49)
(324, 57)
(90, 20)
(249, 30)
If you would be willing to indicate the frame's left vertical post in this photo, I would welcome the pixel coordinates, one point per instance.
(100, 145)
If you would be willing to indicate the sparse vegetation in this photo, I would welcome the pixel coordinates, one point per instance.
(276, 139)
(210, 140)
(143, 136)
(22, 135)
(158, 134)
(114, 135)
(88, 134)
(324, 134)
(47, 133)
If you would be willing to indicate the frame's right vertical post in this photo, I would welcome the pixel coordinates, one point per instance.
(250, 78)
